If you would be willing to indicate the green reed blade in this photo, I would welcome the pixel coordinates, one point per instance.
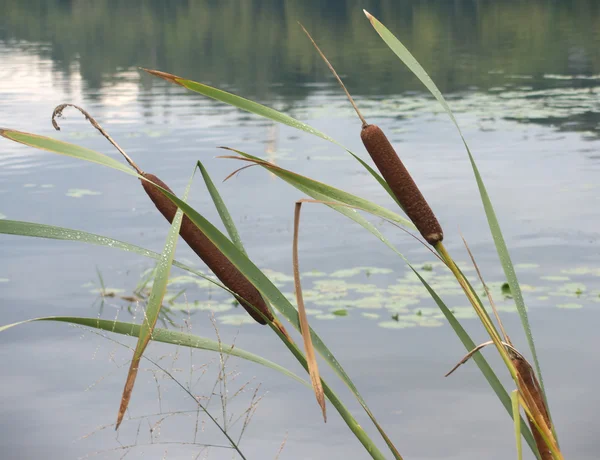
(155, 301)
(263, 111)
(315, 188)
(221, 208)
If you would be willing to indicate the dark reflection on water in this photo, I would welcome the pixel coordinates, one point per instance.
(256, 46)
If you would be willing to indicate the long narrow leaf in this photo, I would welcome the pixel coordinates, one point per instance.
(408, 59)
(155, 301)
(312, 187)
(263, 111)
(63, 148)
(35, 230)
(221, 208)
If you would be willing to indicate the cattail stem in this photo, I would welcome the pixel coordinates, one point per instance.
(335, 74)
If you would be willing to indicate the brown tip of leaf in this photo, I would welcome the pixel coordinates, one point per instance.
(164, 75)
(368, 15)
(133, 370)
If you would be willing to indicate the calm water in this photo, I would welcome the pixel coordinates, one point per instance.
(524, 81)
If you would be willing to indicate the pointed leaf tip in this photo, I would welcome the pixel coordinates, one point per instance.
(368, 15)
(164, 75)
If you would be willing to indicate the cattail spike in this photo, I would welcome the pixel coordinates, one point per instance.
(402, 184)
(220, 265)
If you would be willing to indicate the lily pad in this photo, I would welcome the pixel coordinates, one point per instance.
(570, 306)
(400, 324)
(370, 315)
(81, 192)
(525, 266)
(236, 320)
(555, 278)
(203, 305)
(314, 274)
(340, 312)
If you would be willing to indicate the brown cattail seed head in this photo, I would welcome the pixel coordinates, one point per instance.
(220, 265)
(401, 183)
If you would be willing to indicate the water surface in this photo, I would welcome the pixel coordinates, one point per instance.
(523, 79)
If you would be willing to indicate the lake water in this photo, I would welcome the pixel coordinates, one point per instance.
(524, 81)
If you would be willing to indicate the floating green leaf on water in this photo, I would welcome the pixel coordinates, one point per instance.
(314, 274)
(427, 267)
(325, 316)
(188, 280)
(202, 305)
(340, 312)
(505, 289)
(349, 272)
(107, 290)
(429, 322)
(570, 306)
(278, 278)
(81, 192)
(370, 315)
(581, 271)
(570, 289)
(554, 278)
(397, 324)
(525, 266)
(236, 320)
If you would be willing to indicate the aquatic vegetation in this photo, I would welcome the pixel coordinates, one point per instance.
(420, 298)
(81, 192)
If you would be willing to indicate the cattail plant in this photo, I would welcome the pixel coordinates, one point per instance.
(219, 264)
(419, 212)
(393, 170)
